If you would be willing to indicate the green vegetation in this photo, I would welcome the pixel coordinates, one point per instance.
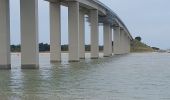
(15, 48)
(46, 48)
(42, 47)
(155, 48)
(137, 46)
(138, 38)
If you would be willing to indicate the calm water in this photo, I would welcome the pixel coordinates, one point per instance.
(144, 76)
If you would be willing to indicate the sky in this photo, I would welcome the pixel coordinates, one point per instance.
(149, 19)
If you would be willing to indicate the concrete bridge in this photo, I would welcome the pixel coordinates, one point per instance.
(97, 13)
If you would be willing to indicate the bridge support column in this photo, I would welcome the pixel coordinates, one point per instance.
(117, 41)
(122, 41)
(94, 34)
(111, 43)
(73, 14)
(5, 59)
(125, 42)
(55, 32)
(81, 35)
(29, 34)
(129, 45)
(107, 40)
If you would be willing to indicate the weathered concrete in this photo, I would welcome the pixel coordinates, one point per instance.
(5, 59)
(94, 34)
(73, 14)
(55, 32)
(107, 40)
(121, 41)
(124, 42)
(128, 41)
(111, 44)
(117, 41)
(29, 34)
(81, 35)
(129, 45)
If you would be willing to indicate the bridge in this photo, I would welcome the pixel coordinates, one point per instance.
(97, 13)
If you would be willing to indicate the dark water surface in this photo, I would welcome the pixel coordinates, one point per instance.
(138, 76)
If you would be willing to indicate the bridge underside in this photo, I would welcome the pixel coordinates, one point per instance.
(97, 14)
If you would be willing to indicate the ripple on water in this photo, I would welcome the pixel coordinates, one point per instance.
(136, 76)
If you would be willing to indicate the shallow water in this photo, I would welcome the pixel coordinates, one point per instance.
(136, 76)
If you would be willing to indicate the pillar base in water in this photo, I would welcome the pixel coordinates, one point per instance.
(5, 67)
(30, 66)
(94, 57)
(55, 61)
(107, 55)
(74, 60)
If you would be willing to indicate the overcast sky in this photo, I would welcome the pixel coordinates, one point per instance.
(149, 19)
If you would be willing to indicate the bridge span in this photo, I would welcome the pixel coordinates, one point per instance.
(97, 13)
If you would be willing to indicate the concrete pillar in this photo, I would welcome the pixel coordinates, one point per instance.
(73, 22)
(55, 32)
(29, 34)
(107, 40)
(94, 34)
(117, 41)
(125, 43)
(128, 45)
(122, 42)
(81, 35)
(5, 59)
(111, 45)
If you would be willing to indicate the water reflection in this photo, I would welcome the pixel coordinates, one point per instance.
(122, 77)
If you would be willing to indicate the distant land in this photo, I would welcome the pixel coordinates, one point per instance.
(44, 47)
(137, 46)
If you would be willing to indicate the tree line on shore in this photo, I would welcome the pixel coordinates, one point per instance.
(44, 47)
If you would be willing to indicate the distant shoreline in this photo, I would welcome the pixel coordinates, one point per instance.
(61, 52)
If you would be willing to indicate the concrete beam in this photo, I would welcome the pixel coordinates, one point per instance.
(5, 57)
(55, 32)
(94, 34)
(29, 34)
(73, 22)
